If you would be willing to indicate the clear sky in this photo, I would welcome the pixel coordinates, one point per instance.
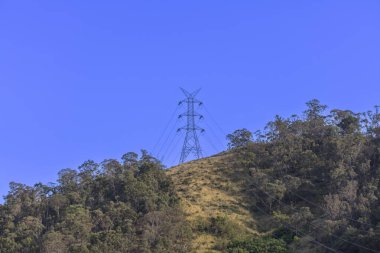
(93, 79)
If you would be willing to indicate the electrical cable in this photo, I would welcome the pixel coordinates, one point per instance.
(351, 243)
(165, 129)
(175, 145)
(215, 122)
(297, 232)
(173, 130)
(321, 208)
(169, 146)
(216, 137)
(210, 142)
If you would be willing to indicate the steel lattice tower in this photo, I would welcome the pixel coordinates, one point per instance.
(191, 143)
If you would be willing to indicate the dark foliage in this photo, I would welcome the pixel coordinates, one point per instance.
(318, 176)
(107, 207)
(257, 245)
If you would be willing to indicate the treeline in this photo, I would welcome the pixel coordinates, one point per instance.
(318, 176)
(127, 206)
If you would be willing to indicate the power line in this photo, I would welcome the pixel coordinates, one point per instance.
(321, 208)
(165, 129)
(215, 122)
(296, 231)
(180, 135)
(351, 243)
(169, 145)
(191, 144)
(173, 130)
(210, 142)
(324, 210)
(377, 116)
(213, 133)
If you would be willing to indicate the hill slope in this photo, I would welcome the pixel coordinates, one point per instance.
(210, 190)
(307, 184)
(311, 184)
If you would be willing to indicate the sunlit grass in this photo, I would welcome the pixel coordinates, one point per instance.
(207, 191)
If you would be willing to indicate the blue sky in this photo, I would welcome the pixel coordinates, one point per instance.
(86, 80)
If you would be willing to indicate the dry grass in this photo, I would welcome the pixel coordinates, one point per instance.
(208, 188)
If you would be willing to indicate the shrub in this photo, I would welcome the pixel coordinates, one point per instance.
(257, 245)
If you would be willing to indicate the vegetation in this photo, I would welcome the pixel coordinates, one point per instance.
(306, 183)
(215, 204)
(239, 138)
(107, 207)
(257, 245)
(310, 181)
(318, 177)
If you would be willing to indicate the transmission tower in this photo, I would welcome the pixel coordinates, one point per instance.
(191, 143)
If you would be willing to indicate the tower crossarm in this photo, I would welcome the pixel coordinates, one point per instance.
(196, 128)
(190, 100)
(190, 115)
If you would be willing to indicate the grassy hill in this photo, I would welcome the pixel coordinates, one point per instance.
(252, 193)
(212, 191)
(307, 185)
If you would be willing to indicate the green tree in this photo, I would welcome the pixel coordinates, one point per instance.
(54, 242)
(257, 245)
(239, 138)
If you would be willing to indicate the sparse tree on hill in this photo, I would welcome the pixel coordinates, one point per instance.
(239, 138)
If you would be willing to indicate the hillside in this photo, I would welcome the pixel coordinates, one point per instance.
(224, 199)
(217, 201)
(209, 189)
(306, 184)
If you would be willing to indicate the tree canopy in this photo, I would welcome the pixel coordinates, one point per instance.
(106, 207)
(314, 180)
(318, 176)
